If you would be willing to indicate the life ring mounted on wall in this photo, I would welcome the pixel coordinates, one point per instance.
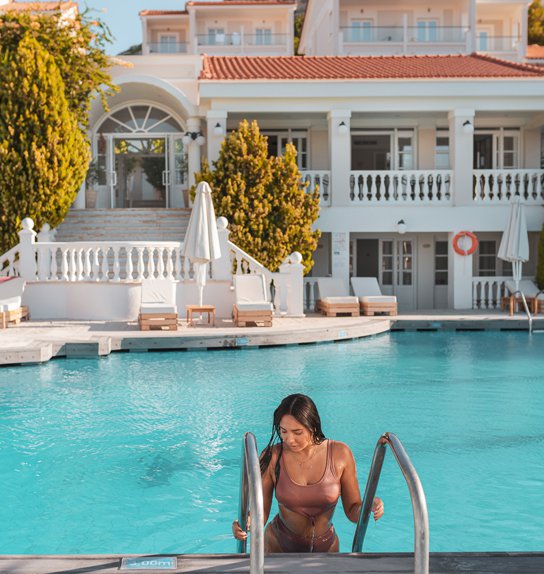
(473, 245)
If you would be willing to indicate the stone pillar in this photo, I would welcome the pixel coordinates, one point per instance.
(79, 201)
(27, 253)
(340, 156)
(460, 277)
(291, 273)
(193, 150)
(222, 268)
(461, 125)
(217, 121)
(340, 256)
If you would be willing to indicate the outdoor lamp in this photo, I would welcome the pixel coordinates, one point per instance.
(401, 227)
(468, 128)
(188, 137)
(217, 129)
(342, 128)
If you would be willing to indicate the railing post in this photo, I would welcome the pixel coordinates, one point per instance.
(222, 267)
(27, 251)
(294, 284)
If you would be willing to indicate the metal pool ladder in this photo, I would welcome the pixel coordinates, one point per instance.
(525, 306)
(251, 502)
(419, 504)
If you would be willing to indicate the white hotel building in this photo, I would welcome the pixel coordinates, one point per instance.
(418, 120)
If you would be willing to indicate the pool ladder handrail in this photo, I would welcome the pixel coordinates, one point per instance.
(251, 503)
(417, 495)
(526, 307)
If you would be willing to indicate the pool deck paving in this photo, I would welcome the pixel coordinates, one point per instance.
(39, 341)
(400, 563)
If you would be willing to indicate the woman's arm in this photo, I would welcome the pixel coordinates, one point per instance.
(351, 495)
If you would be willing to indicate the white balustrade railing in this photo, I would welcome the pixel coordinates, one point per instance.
(310, 293)
(111, 261)
(499, 186)
(429, 187)
(321, 179)
(487, 292)
(9, 263)
(243, 263)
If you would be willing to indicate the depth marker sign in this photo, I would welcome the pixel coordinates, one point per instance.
(150, 563)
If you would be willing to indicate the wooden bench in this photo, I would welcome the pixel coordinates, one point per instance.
(15, 316)
(162, 321)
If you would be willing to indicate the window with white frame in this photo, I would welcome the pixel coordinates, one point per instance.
(487, 258)
(405, 152)
(361, 30)
(442, 151)
(427, 30)
(263, 36)
(278, 140)
(216, 36)
(441, 263)
(168, 43)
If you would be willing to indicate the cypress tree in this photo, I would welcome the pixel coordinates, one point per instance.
(43, 153)
(270, 212)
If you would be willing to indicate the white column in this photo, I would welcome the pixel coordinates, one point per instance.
(472, 35)
(27, 254)
(340, 256)
(222, 268)
(193, 150)
(524, 24)
(193, 31)
(340, 156)
(215, 118)
(461, 154)
(292, 274)
(79, 201)
(145, 41)
(460, 277)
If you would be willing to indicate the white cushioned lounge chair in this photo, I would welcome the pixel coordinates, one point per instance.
(370, 297)
(534, 298)
(158, 308)
(11, 307)
(333, 299)
(252, 307)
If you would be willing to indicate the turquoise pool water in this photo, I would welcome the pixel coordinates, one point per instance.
(140, 453)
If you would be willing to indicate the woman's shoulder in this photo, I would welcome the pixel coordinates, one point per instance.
(341, 453)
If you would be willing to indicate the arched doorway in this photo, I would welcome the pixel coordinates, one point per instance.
(140, 158)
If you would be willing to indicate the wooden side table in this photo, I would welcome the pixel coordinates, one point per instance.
(192, 310)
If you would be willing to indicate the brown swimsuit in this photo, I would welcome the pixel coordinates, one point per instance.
(311, 501)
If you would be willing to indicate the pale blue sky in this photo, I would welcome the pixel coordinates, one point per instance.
(122, 17)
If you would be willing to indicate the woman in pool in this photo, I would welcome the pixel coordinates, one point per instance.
(309, 474)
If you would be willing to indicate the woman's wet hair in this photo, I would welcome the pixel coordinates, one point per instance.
(303, 409)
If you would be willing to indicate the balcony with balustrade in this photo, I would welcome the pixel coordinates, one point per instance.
(261, 43)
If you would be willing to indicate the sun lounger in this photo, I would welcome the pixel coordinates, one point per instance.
(533, 297)
(11, 308)
(252, 307)
(158, 308)
(333, 299)
(370, 297)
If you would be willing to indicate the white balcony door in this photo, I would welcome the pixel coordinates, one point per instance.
(397, 270)
(497, 149)
(383, 150)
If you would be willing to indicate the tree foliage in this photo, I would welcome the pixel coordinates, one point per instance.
(270, 213)
(540, 261)
(536, 23)
(77, 46)
(43, 152)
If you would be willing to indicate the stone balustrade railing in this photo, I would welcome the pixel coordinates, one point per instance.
(321, 179)
(9, 263)
(487, 292)
(415, 187)
(499, 186)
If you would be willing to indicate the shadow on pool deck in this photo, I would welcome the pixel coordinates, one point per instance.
(39, 341)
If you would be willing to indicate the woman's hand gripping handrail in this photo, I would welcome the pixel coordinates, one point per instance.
(251, 502)
(419, 504)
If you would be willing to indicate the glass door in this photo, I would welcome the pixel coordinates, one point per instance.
(140, 176)
(397, 269)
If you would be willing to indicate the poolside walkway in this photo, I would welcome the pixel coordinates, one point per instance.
(440, 563)
(39, 341)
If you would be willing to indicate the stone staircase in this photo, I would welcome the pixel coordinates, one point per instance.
(142, 224)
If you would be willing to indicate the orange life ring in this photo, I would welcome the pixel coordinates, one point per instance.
(473, 245)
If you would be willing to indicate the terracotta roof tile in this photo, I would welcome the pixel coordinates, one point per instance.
(243, 3)
(163, 12)
(536, 52)
(361, 67)
(37, 6)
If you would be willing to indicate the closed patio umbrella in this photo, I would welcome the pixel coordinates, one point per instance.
(201, 239)
(514, 245)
